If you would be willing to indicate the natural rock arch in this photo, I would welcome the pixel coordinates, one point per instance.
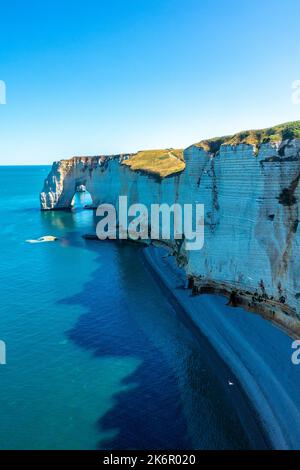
(66, 176)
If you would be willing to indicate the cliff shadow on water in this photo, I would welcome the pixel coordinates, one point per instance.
(177, 396)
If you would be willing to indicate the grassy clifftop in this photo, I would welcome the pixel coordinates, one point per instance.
(289, 130)
(163, 163)
(157, 162)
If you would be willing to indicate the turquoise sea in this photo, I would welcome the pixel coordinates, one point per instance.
(97, 357)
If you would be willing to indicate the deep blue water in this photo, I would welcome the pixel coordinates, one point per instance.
(96, 356)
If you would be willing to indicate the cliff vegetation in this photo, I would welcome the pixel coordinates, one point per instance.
(287, 131)
(157, 162)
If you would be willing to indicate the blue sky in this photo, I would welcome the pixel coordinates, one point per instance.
(109, 76)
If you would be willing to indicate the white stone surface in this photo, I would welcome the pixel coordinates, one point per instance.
(251, 214)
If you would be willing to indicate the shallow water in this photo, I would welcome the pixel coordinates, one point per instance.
(96, 355)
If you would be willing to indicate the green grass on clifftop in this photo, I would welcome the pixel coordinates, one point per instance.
(157, 162)
(289, 130)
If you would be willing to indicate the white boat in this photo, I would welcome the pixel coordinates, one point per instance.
(46, 238)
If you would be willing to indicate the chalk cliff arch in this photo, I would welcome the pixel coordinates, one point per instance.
(66, 175)
(251, 198)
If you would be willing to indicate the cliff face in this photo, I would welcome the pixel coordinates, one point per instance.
(251, 198)
(251, 234)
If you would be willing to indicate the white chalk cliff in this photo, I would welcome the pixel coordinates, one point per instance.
(251, 196)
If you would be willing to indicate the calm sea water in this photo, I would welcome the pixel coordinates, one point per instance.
(96, 356)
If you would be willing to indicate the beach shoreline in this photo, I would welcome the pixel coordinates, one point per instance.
(263, 369)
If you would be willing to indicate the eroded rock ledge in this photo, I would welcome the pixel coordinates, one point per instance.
(251, 195)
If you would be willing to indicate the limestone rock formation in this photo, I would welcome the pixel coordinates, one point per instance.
(250, 190)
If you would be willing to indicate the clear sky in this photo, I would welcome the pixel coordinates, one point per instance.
(107, 76)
